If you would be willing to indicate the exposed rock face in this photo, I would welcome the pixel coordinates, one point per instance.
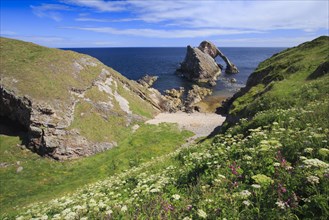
(15, 108)
(320, 71)
(174, 100)
(210, 49)
(67, 102)
(147, 80)
(199, 64)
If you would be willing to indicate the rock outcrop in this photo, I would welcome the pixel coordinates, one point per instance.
(194, 96)
(199, 64)
(70, 104)
(173, 100)
(210, 49)
(147, 80)
(176, 100)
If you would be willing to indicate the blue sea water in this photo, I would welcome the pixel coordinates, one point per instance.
(134, 63)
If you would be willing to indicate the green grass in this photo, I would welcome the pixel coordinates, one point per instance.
(274, 164)
(277, 81)
(43, 179)
(100, 126)
(52, 70)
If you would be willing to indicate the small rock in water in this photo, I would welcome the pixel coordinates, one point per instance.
(233, 80)
(19, 169)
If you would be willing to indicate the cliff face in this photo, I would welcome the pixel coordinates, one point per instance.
(71, 104)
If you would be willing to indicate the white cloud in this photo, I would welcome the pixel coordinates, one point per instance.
(105, 20)
(258, 15)
(265, 42)
(160, 33)
(99, 5)
(7, 33)
(49, 10)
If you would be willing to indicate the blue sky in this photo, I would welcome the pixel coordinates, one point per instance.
(150, 23)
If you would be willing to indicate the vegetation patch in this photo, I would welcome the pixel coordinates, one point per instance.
(42, 179)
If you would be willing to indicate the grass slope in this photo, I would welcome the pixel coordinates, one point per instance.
(272, 164)
(42, 178)
(48, 76)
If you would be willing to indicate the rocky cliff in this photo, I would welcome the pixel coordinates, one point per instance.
(71, 104)
(200, 65)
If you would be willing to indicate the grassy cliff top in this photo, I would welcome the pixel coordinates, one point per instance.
(45, 73)
(276, 81)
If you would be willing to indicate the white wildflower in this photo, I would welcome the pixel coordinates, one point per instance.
(154, 190)
(308, 150)
(256, 186)
(247, 157)
(187, 218)
(313, 179)
(176, 197)
(202, 213)
(280, 204)
(221, 176)
(246, 203)
(316, 163)
(303, 158)
(44, 217)
(245, 193)
(276, 164)
(70, 216)
(109, 212)
(124, 208)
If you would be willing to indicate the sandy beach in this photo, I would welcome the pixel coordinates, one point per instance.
(202, 124)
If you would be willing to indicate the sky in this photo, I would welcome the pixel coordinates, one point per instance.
(164, 23)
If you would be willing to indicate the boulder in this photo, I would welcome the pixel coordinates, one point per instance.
(173, 100)
(196, 95)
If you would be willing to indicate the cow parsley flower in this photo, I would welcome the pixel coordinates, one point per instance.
(313, 179)
(246, 203)
(124, 208)
(280, 204)
(202, 214)
(176, 197)
(256, 186)
(315, 163)
(245, 193)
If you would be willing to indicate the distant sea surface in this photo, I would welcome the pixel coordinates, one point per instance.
(134, 63)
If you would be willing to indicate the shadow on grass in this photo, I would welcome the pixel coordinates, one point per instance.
(13, 128)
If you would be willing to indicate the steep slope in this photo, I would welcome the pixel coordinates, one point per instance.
(71, 104)
(272, 164)
(294, 68)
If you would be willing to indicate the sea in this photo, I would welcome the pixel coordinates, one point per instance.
(134, 63)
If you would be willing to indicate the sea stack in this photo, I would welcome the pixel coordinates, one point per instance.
(200, 65)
